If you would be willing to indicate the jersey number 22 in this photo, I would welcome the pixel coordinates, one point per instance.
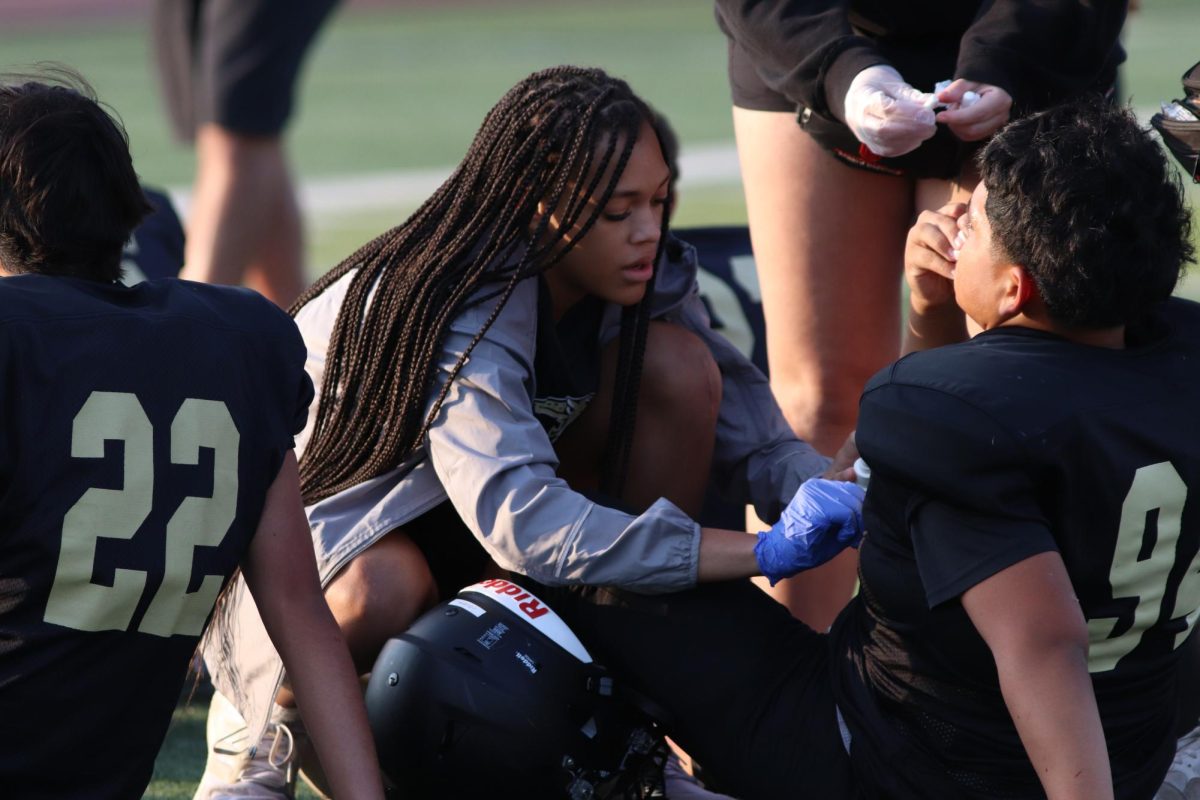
(75, 601)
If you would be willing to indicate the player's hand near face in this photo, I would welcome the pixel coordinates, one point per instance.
(979, 119)
(930, 256)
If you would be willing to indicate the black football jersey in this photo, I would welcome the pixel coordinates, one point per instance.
(983, 454)
(140, 428)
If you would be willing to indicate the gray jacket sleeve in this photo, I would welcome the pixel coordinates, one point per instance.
(498, 468)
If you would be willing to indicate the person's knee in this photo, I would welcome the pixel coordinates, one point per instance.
(382, 590)
(680, 378)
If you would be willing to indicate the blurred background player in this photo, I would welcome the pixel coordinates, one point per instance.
(147, 454)
(228, 70)
(840, 145)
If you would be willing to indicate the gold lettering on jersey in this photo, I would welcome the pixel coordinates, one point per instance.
(1157, 486)
(199, 521)
(77, 602)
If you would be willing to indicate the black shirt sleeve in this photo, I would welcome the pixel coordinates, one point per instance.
(805, 50)
(284, 386)
(304, 398)
(973, 506)
(1042, 53)
(957, 548)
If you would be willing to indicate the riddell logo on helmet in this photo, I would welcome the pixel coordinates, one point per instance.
(529, 605)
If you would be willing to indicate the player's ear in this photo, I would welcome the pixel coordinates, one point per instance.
(1019, 289)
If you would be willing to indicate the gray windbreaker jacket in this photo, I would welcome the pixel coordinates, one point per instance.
(491, 457)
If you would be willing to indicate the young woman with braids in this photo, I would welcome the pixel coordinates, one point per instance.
(522, 373)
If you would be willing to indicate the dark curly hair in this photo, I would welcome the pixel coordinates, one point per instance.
(69, 196)
(1082, 197)
(559, 137)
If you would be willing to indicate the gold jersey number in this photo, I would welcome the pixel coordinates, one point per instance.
(75, 601)
(1142, 563)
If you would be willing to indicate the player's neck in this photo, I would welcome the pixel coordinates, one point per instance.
(1112, 338)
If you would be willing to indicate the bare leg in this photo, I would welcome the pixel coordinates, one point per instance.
(828, 243)
(244, 221)
(673, 439)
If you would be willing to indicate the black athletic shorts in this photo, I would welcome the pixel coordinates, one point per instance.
(233, 62)
(744, 685)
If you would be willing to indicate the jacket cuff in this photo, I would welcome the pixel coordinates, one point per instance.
(985, 68)
(839, 70)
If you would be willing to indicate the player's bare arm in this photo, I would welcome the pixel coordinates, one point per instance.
(281, 573)
(1032, 622)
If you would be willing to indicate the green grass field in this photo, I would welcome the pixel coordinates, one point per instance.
(405, 88)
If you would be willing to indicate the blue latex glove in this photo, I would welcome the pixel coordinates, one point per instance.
(823, 519)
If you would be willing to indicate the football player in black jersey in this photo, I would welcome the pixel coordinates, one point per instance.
(131, 487)
(1030, 578)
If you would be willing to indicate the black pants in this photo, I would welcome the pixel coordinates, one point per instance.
(746, 686)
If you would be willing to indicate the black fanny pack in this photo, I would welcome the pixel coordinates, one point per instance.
(1182, 136)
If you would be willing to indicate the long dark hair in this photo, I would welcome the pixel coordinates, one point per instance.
(560, 137)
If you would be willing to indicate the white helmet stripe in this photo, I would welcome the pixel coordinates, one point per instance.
(526, 606)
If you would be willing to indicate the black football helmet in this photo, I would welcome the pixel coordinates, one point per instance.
(492, 695)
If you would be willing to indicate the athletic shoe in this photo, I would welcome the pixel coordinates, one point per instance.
(231, 773)
(1183, 778)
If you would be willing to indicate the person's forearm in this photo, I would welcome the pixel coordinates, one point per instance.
(1050, 697)
(933, 327)
(281, 573)
(726, 555)
(329, 694)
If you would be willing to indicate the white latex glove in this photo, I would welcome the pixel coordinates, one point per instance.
(886, 114)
